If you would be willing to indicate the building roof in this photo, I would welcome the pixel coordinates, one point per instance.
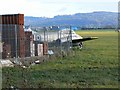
(28, 29)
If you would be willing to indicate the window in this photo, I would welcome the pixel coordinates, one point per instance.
(38, 37)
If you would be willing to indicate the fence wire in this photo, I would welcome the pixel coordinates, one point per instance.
(0, 56)
(25, 45)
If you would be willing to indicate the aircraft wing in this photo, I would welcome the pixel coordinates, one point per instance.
(84, 39)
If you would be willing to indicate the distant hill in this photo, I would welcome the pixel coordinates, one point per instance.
(94, 19)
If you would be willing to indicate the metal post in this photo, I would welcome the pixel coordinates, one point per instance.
(1, 43)
(0, 53)
(70, 36)
(16, 54)
(61, 45)
(44, 35)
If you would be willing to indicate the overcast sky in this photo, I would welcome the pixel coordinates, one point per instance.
(50, 8)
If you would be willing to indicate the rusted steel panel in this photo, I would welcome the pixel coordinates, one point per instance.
(9, 36)
(28, 44)
(7, 51)
(45, 48)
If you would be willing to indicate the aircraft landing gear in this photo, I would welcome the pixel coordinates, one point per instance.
(81, 45)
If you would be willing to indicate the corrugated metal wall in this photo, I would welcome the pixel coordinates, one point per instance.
(13, 34)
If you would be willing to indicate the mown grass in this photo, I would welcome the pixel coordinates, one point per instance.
(95, 66)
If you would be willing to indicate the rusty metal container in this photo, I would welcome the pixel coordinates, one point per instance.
(45, 48)
(12, 27)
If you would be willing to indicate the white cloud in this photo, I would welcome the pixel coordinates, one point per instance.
(67, 1)
(50, 8)
(12, 6)
(63, 9)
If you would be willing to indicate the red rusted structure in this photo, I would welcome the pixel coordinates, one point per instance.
(45, 48)
(28, 43)
(12, 28)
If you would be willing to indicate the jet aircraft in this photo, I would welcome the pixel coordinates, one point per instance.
(70, 36)
(78, 40)
(61, 37)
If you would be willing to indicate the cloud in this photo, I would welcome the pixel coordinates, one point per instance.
(50, 8)
(73, 1)
(62, 9)
(93, 0)
(14, 6)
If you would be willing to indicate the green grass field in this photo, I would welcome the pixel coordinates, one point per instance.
(95, 66)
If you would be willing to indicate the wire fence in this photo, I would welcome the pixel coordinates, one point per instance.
(24, 45)
(0, 56)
